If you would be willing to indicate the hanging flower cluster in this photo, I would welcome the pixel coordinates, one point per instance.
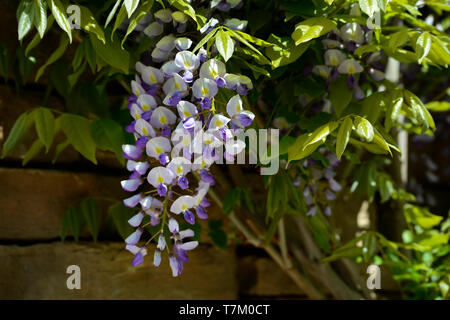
(340, 58)
(178, 130)
(314, 187)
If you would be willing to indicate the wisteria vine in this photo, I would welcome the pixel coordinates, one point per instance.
(174, 113)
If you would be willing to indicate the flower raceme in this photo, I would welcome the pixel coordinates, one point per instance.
(177, 128)
(340, 57)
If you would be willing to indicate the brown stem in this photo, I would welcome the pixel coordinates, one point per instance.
(322, 272)
(300, 280)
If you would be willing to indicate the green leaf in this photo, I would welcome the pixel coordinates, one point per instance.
(343, 136)
(112, 53)
(120, 216)
(204, 40)
(379, 140)
(360, 51)
(121, 16)
(72, 221)
(369, 7)
(232, 198)
(382, 4)
(372, 147)
(25, 17)
(393, 111)
(45, 126)
(40, 16)
(89, 24)
(224, 44)
(297, 152)
(444, 287)
(340, 95)
(440, 51)
(35, 148)
(108, 135)
(257, 71)
(140, 13)
(285, 51)
(421, 216)
(245, 38)
(259, 58)
(63, 42)
(369, 246)
(73, 78)
(60, 148)
(277, 196)
(432, 238)
(18, 131)
(89, 208)
(364, 128)
(320, 134)
(373, 105)
(438, 106)
(312, 28)
(58, 12)
(79, 56)
(348, 250)
(131, 5)
(187, 9)
(36, 39)
(78, 131)
(423, 46)
(113, 12)
(398, 39)
(421, 113)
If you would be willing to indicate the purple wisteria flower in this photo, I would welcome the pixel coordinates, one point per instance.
(177, 132)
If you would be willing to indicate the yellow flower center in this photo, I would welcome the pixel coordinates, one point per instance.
(186, 113)
(179, 170)
(333, 61)
(160, 179)
(145, 107)
(163, 120)
(184, 207)
(152, 78)
(350, 69)
(205, 91)
(144, 131)
(158, 150)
